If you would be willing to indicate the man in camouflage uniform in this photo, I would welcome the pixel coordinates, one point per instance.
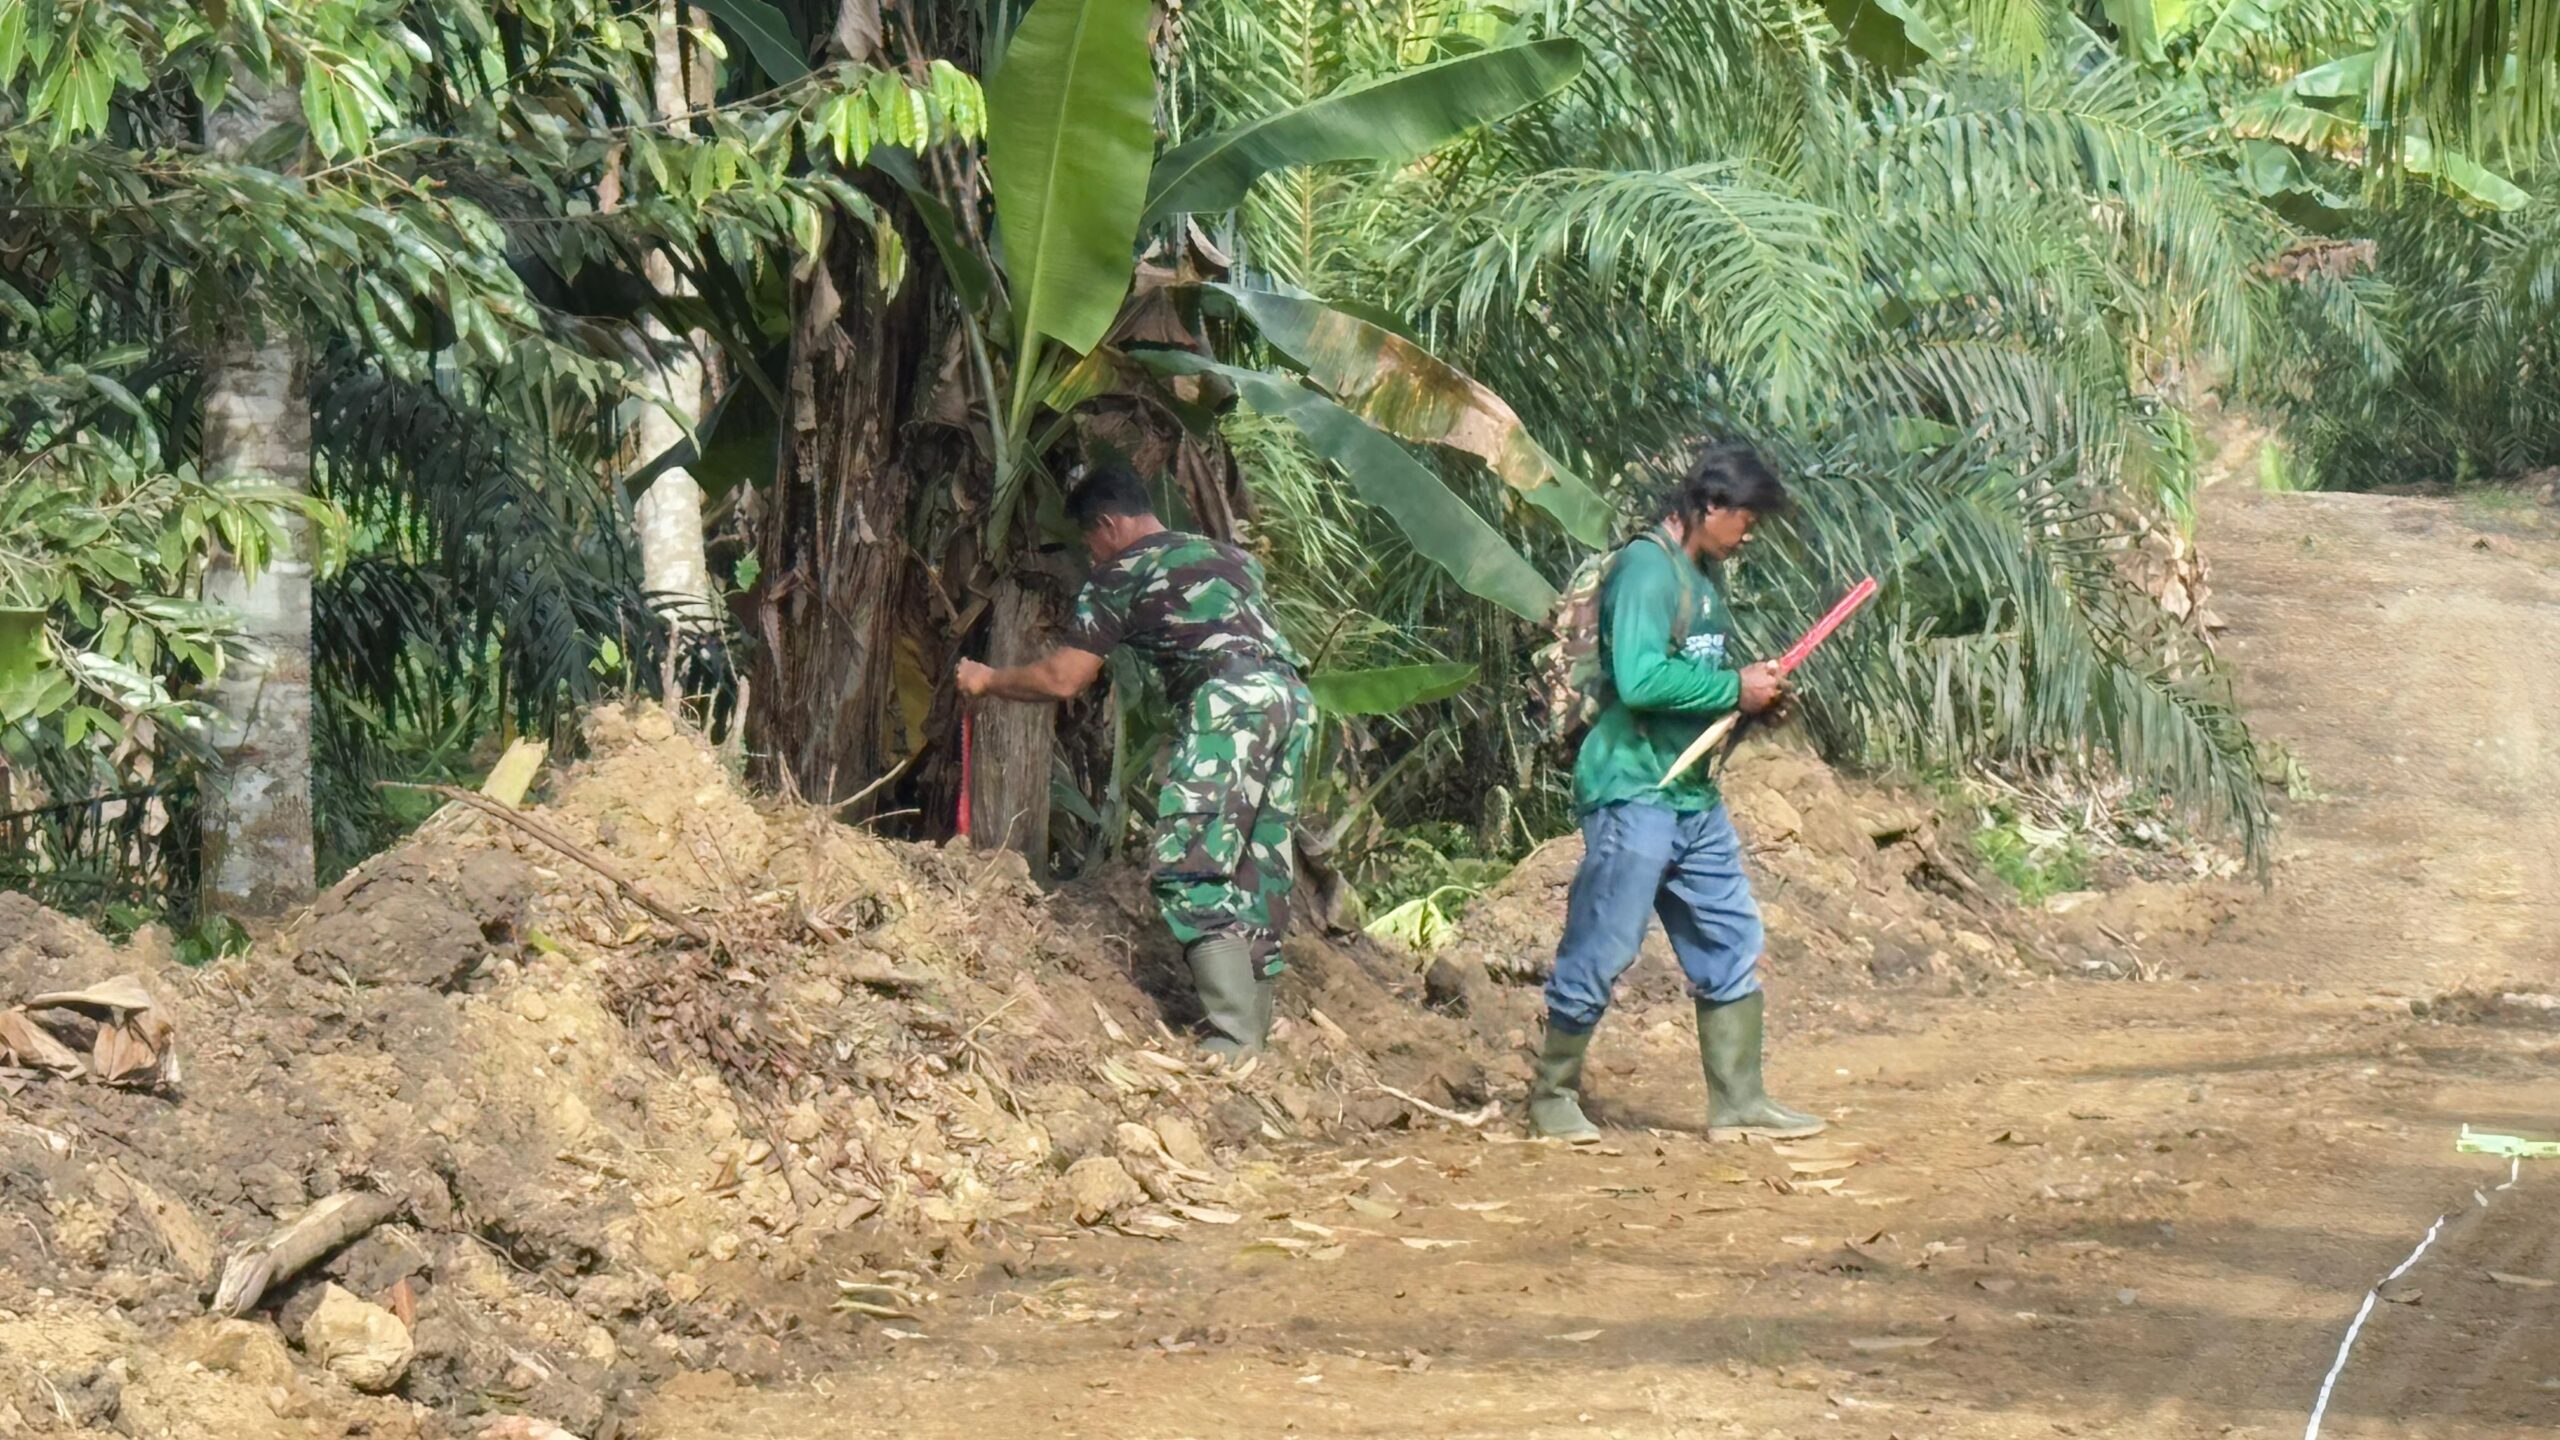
(1193, 607)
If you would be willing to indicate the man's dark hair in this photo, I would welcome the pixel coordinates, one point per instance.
(1727, 476)
(1108, 489)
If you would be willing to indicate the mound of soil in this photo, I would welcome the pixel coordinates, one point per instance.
(612, 1151)
(1853, 883)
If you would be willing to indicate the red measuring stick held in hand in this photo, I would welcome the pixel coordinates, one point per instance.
(1716, 734)
(1858, 595)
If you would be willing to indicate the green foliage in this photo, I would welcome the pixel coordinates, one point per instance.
(1957, 263)
(1440, 526)
(1421, 877)
(1421, 923)
(103, 540)
(1387, 689)
(215, 938)
(768, 35)
(1892, 35)
(1939, 301)
(2036, 862)
(1069, 144)
(1389, 119)
(1406, 391)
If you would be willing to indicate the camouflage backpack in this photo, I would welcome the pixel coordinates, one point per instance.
(1572, 683)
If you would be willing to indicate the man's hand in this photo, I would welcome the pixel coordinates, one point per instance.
(1763, 686)
(1059, 675)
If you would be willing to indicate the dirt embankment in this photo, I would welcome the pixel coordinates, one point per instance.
(614, 1154)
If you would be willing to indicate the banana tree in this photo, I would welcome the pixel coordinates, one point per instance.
(923, 424)
(1072, 314)
(1088, 317)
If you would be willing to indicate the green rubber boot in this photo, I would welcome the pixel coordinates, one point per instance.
(1738, 1107)
(1230, 997)
(1555, 1101)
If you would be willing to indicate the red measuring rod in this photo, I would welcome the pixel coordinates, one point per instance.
(1858, 595)
(1714, 734)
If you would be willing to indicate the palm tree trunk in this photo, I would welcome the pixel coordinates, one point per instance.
(257, 426)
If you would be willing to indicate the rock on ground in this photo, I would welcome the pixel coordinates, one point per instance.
(360, 1343)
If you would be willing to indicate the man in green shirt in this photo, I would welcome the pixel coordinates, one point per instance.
(1193, 607)
(1668, 850)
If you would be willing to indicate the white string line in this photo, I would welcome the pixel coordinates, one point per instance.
(2515, 1167)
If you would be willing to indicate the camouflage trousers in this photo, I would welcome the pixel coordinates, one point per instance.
(1224, 859)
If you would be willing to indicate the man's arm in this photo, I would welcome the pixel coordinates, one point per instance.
(1646, 672)
(1062, 674)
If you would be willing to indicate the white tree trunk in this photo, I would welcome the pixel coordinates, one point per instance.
(257, 426)
(674, 566)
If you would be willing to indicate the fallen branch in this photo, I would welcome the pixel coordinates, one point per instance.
(881, 978)
(867, 791)
(293, 1246)
(1948, 868)
(1452, 1116)
(543, 832)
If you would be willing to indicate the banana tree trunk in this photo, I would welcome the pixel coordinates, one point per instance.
(1015, 744)
(838, 702)
(674, 564)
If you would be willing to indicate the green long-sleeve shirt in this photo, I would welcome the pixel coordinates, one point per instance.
(1660, 697)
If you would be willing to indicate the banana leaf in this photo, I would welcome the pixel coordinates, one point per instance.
(1390, 120)
(1888, 34)
(1070, 135)
(1389, 688)
(1405, 390)
(1443, 528)
(2462, 175)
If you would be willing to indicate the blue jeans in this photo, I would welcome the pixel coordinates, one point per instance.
(1639, 858)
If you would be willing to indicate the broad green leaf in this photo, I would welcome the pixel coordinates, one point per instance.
(1390, 120)
(2139, 25)
(2347, 77)
(24, 670)
(1405, 390)
(2463, 175)
(1889, 34)
(2276, 115)
(736, 444)
(1440, 526)
(1064, 794)
(1388, 689)
(1103, 370)
(768, 35)
(1070, 132)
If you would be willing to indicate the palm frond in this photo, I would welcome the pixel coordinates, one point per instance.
(1761, 277)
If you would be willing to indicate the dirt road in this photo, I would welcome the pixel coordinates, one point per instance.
(2139, 1210)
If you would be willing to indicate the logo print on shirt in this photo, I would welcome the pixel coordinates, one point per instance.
(1707, 649)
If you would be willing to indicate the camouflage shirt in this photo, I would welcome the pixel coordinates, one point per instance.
(1192, 606)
